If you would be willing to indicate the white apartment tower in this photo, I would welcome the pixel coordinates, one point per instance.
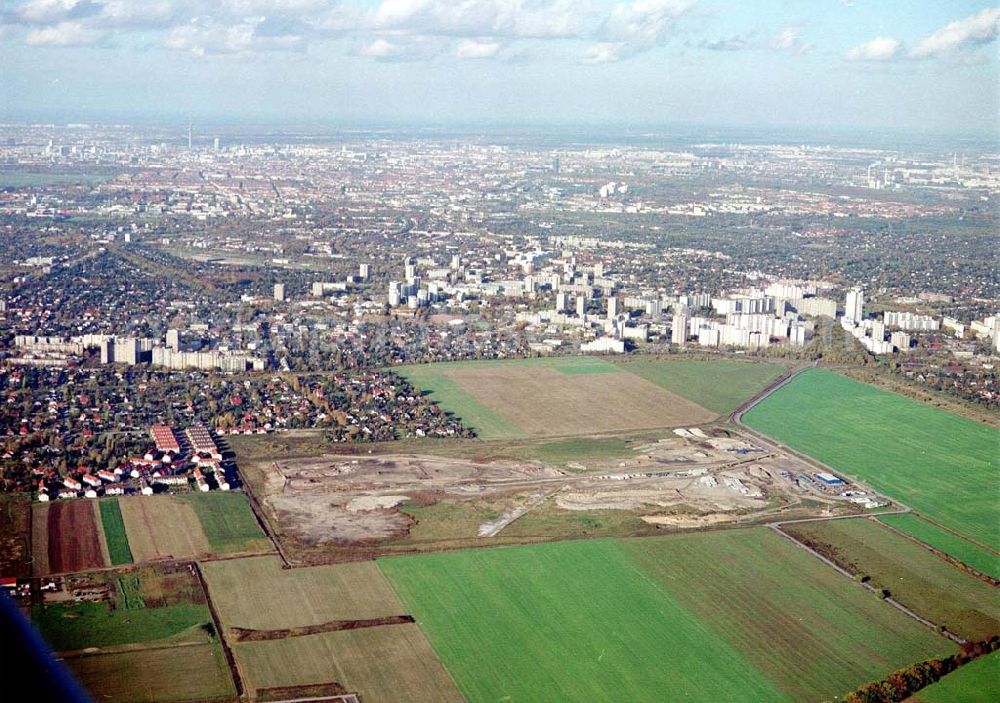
(854, 305)
(678, 333)
(279, 292)
(612, 307)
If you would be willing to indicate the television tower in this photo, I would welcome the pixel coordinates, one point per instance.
(190, 134)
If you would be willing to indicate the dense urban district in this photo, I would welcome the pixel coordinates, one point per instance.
(269, 403)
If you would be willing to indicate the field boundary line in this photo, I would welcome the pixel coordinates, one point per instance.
(343, 698)
(868, 587)
(954, 561)
(151, 646)
(234, 669)
(968, 539)
(258, 513)
(241, 634)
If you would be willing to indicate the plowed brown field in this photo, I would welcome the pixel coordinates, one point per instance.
(74, 537)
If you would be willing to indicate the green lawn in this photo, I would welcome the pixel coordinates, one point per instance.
(228, 522)
(735, 616)
(976, 682)
(28, 179)
(433, 379)
(81, 625)
(813, 632)
(962, 549)
(921, 581)
(114, 532)
(720, 386)
(942, 465)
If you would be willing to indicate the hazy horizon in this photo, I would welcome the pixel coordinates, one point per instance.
(647, 64)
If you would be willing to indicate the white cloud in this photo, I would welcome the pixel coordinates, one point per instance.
(378, 49)
(737, 42)
(63, 34)
(204, 37)
(604, 52)
(471, 49)
(275, 7)
(471, 18)
(141, 13)
(643, 22)
(402, 48)
(878, 49)
(790, 39)
(46, 10)
(977, 28)
(635, 27)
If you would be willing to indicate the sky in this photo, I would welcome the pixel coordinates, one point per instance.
(919, 66)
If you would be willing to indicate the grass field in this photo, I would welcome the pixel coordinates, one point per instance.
(921, 581)
(390, 664)
(447, 393)
(631, 620)
(114, 532)
(943, 466)
(228, 522)
(140, 605)
(962, 549)
(28, 179)
(976, 682)
(720, 386)
(256, 593)
(580, 395)
(188, 673)
(162, 527)
(82, 625)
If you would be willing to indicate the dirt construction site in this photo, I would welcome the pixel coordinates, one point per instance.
(689, 478)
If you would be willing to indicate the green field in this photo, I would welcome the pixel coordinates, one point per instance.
(228, 522)
(921, 581)
(433, 380)
(81, 625)
(962, 549)
(28, 179)
(114, 532)
(720, 386)
(735, 616)
(976, 682)
(942, 465)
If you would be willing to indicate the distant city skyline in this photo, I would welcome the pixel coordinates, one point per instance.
(915, 67)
